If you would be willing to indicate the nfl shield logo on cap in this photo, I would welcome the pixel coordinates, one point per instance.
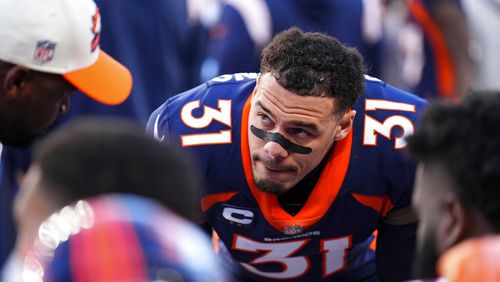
(44, 51)
(32, 30)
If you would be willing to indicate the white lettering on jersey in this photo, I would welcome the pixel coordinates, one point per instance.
(243, 75)
(238, 215)
(223, 78)
(371, 78)
(334, 256)
(374, 104)
(155, 130)
(373, 127)
(236, 77)
(277, 253)
(223, 115)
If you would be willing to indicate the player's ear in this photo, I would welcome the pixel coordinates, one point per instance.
(16, 79)
(345, 125)
(452, 227)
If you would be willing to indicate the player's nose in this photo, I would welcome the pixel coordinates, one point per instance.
(275, 151)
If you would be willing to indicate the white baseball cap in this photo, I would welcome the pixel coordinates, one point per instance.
(62, 37)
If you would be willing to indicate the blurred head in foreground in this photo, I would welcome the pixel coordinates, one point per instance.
(457, 193)
(120, 238)
(48, 50)
(120, 235)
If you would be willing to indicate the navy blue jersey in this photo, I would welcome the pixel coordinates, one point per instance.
(365, 179)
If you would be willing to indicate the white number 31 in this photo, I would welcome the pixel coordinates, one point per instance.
(373, 127)
(222, 115)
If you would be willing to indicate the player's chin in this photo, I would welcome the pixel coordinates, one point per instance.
(271, 187)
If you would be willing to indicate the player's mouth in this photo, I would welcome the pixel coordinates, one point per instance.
(271, 170)
(277, 171)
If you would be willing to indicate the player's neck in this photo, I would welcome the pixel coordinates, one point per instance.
(293, 201)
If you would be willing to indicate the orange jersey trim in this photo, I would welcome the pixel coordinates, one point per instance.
(321, 198)
(210, 200)
(445, 69)
(215, 242)
(380, 204)
(373, 245)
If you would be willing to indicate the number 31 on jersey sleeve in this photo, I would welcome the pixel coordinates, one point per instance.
(372, 127)
(222, 115)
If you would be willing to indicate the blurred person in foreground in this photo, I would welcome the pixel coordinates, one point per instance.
(457, 193)
(48, 49)
(122, 238)
(302, 163)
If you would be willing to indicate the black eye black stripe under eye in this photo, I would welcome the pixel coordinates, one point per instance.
(280, 139)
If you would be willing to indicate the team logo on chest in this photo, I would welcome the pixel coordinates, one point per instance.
(293, 229)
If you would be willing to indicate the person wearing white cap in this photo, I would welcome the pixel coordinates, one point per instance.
(47, 50)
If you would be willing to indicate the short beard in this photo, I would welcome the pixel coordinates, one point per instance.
(271, 188)
(426, 258)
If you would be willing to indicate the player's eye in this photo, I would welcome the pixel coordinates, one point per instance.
(299, 133)
(264, 119)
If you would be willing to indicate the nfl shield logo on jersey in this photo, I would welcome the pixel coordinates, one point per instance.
(44, 51)
(293, 230)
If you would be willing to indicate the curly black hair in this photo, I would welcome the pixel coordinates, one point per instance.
(465, 139)
(92, 156)
(315, 64)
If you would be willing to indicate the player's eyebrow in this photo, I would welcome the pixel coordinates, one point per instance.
(310, 126)
(258, 103)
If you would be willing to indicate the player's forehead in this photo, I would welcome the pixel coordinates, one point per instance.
(279, 102)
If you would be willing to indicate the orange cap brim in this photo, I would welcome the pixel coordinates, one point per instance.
(106, 81)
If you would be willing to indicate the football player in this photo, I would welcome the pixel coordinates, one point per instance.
(301, 165)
